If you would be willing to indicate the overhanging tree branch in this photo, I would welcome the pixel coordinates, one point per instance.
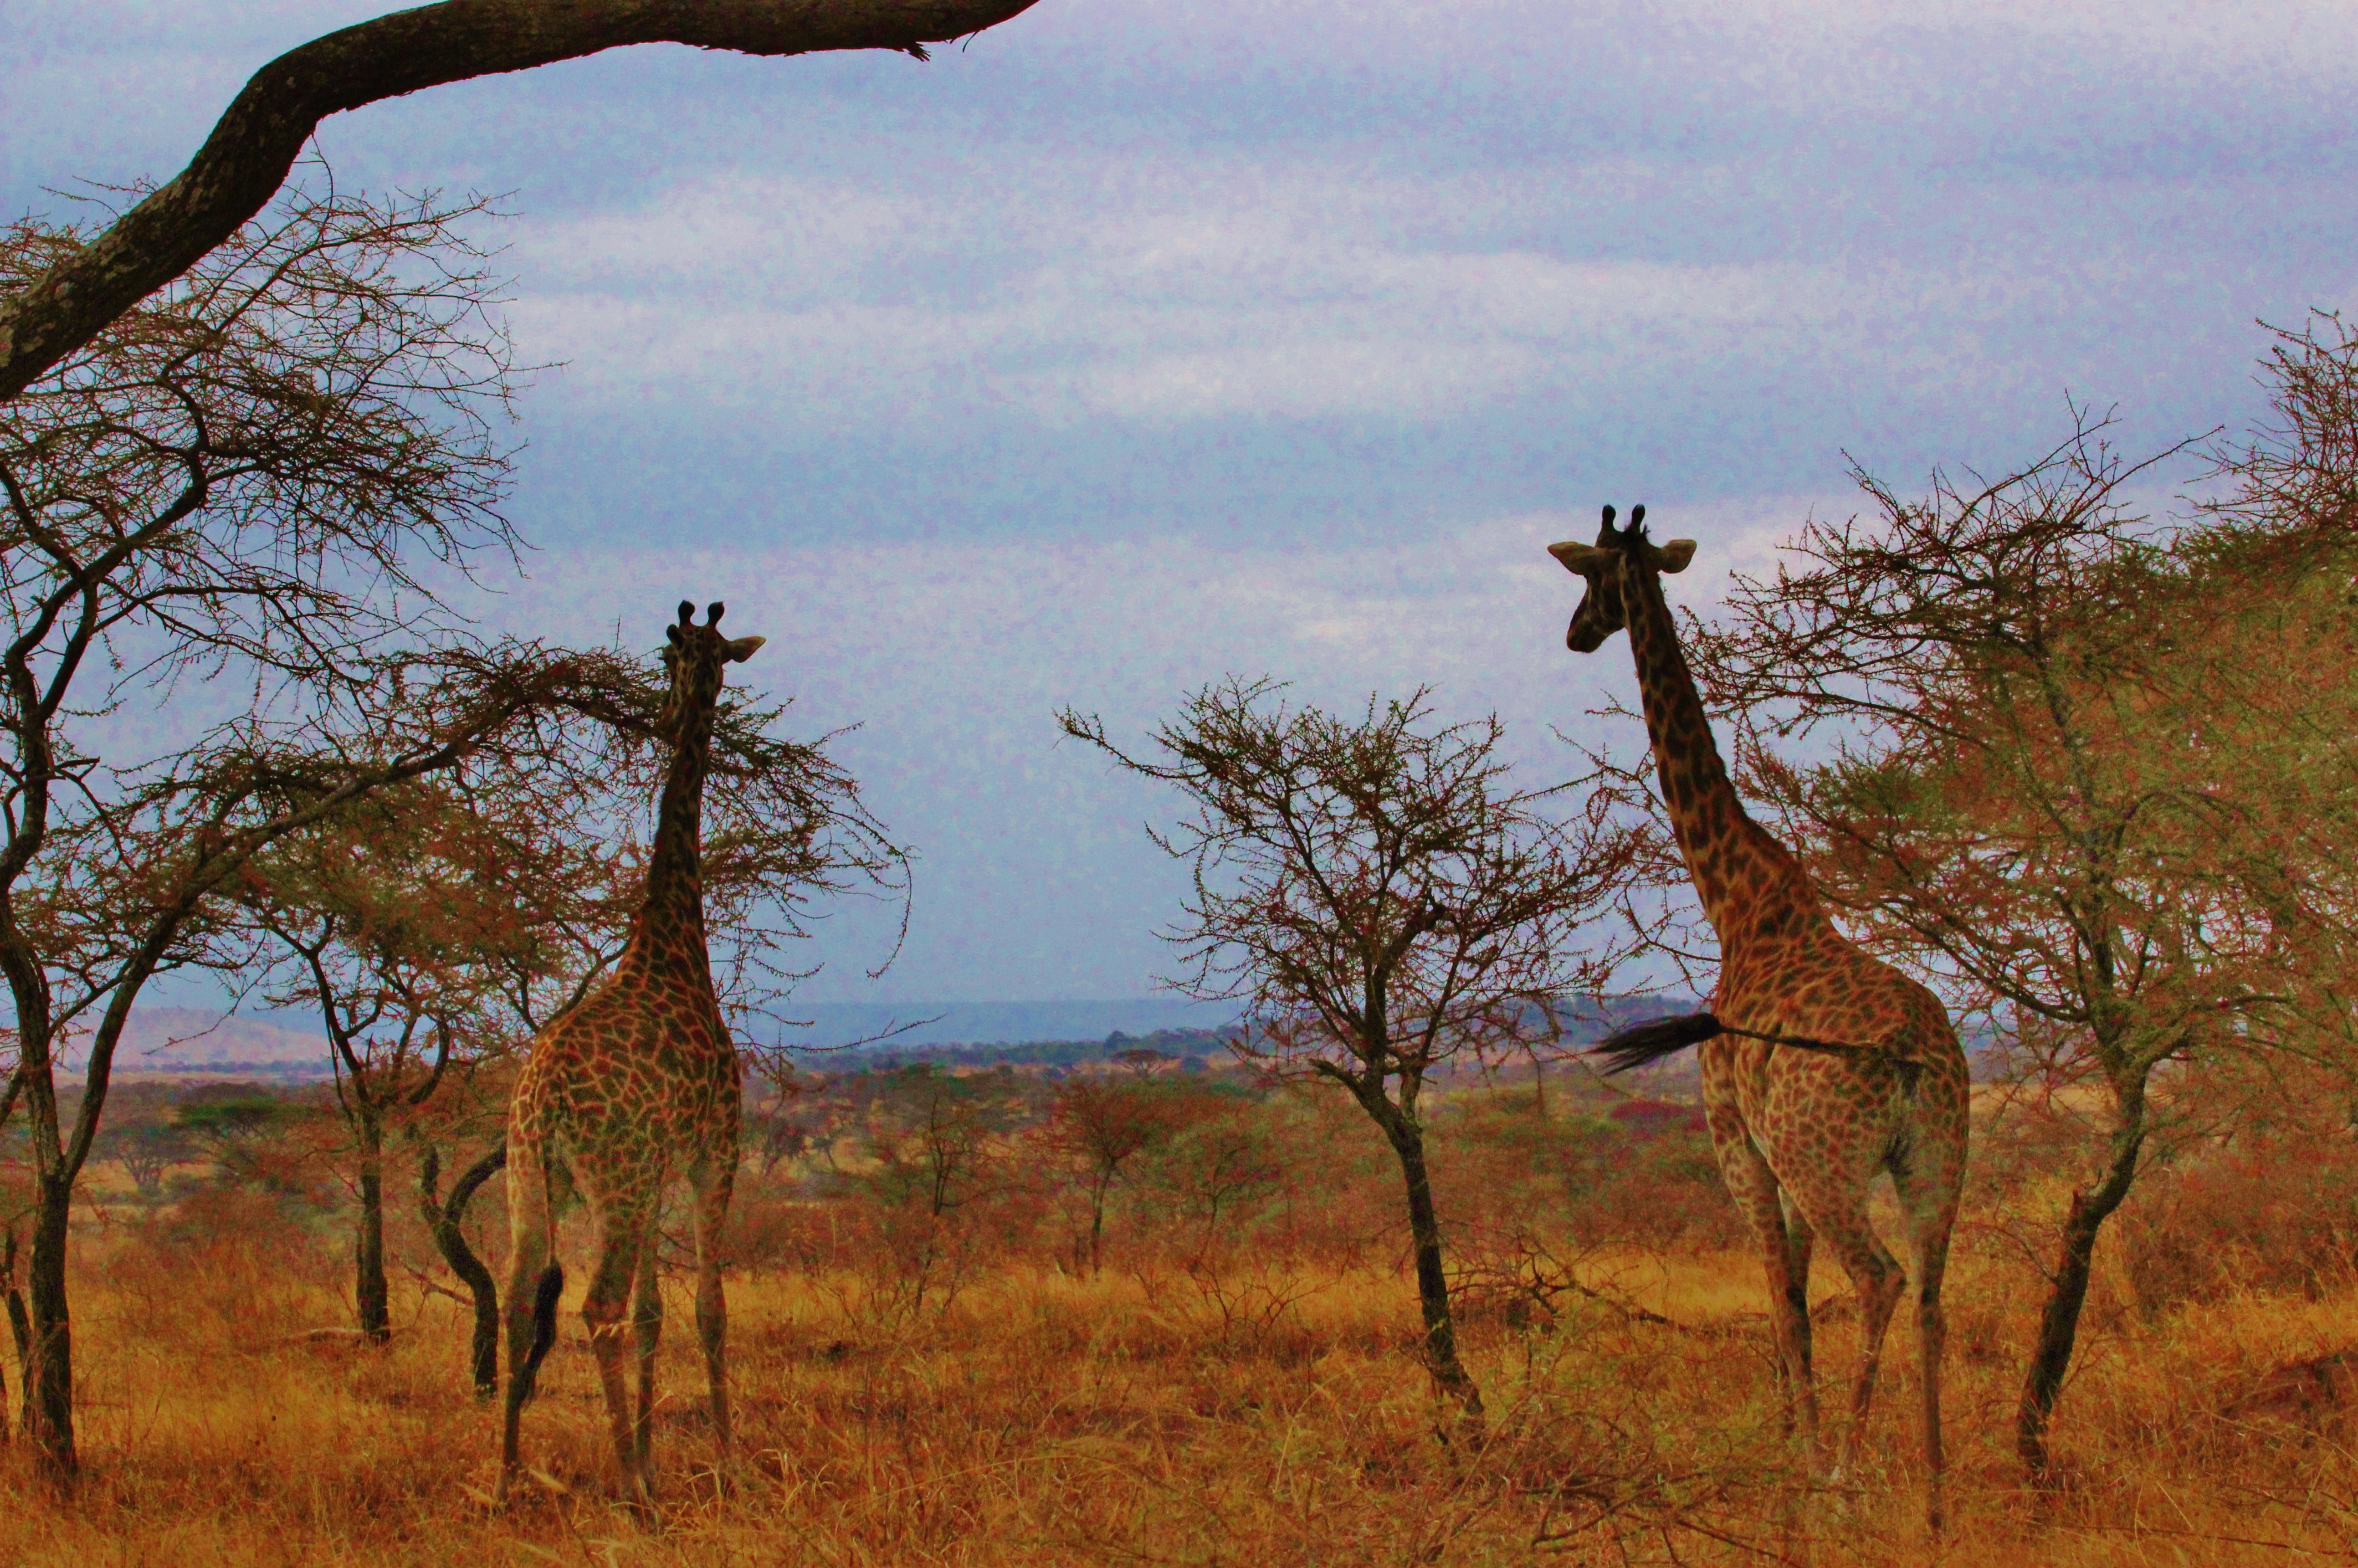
(257, 140)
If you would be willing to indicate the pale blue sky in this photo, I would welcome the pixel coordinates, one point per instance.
(1138, 342)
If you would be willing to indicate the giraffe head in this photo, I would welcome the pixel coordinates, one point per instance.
(694, 657)
(1604, 609)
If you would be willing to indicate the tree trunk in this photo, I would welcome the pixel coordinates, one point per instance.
(1432, 1281)
(369, 1289)
(20, 1330)
(1096, 1228)
(443, 1221)
(2059, 1323)
(48, 1394)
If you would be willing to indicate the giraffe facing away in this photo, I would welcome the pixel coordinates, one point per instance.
(635, 1083)
(1822, 1067)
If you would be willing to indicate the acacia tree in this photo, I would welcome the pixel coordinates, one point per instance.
(2042, 791)
(2280, 536)
(218, 515)
(446, 915)
(369, 921)
(1101, 1124)
(1382, 903)
(51, 312)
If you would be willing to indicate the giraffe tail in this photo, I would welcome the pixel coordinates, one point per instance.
(1653, 1039)
(544, 1295)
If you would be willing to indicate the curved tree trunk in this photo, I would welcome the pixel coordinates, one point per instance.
(443, 1221)
(19, 1329)
(1406, 1139)
(263, 130)
(2059, 1323)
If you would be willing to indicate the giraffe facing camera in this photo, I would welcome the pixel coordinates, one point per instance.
(635, 1085)
(1602, 613)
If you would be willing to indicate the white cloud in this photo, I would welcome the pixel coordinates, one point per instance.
(1258, 300)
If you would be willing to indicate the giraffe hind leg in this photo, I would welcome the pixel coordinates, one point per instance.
(1785, 1254)
(546, 1292)
(1836, 1211)
(1798, 1240)
(1928, 1198)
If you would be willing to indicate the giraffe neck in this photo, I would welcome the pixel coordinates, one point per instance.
(669, 931)
(1730, 857)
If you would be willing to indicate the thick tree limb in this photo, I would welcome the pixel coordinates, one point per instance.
(257, 140)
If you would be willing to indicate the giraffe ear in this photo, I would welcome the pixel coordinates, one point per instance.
(1577, 557)
(742, 649)
(1674, 556)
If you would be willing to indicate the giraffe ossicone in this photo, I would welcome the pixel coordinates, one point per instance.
(1800, 1133)
(634, 1085)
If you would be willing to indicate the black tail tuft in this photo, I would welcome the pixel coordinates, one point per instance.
(545, 1296)
(1653, 1039)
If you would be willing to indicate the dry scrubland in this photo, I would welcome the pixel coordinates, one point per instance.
(1236, 1388)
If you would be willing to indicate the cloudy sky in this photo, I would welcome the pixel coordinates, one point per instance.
(1133, 344)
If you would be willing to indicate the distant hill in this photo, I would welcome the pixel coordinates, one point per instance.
(1589, 1023)
(837, 1024)
(186, 1039)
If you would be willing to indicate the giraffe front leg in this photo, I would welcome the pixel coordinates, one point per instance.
(712, 1193)
(605, 1309)
(646, 1316)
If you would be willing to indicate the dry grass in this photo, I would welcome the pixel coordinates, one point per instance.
(1279, 1418)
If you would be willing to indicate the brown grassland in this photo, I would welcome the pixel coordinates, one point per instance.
(1256, 1400)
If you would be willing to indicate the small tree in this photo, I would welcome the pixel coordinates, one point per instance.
(1384, 906)
(939, 1141)
(372, 920)
(2281, 528)
(243, 1130)
(145, 1149)
(1101, 1124)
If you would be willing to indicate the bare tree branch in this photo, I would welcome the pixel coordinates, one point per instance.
(263, 131)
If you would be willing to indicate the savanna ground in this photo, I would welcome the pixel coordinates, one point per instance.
(1238, 1384)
